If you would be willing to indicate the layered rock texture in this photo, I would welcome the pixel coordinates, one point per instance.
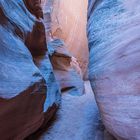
(69, 24)
(43, 51)
(33, 68)
(66, 68)
(113, 34)
(29, 94)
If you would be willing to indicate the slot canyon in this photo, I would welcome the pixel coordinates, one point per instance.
(69, 70)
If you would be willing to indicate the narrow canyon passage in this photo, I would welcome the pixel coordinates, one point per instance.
(77, 119)
(54, 54)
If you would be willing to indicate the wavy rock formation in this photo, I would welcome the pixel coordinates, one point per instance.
(113, 34)
(34, 67)
(66, 68)
(26, 96)
(68, 73)
(69, 24)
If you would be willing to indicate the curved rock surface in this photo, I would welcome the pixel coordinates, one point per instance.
(69, 24)
(26, 96)
(68, 73)
(30, 79)
(34, 6)
(113, 34)
(66, 68)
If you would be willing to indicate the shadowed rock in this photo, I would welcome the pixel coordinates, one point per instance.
(24, 99)
(34, 6)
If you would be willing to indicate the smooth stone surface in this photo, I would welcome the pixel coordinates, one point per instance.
(67, 70)
(77, 119)
(53, 89)
(24, 99)
(69, 24)
(22, 87)
(113, 34)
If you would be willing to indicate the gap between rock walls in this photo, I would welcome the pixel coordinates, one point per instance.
(64, 70)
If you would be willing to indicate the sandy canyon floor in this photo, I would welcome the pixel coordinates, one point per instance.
(77, 119)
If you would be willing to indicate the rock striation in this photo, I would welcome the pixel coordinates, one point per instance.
(27, 89)
(34, 68)
(114, 67)
(67, 69)
(69, 24)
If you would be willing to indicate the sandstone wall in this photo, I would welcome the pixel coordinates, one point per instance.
(28, 88)
(114, 67)
(69, 23)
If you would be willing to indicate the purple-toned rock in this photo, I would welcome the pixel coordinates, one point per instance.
(113, 34)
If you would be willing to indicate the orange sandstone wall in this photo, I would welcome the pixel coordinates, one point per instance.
(69, 23)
